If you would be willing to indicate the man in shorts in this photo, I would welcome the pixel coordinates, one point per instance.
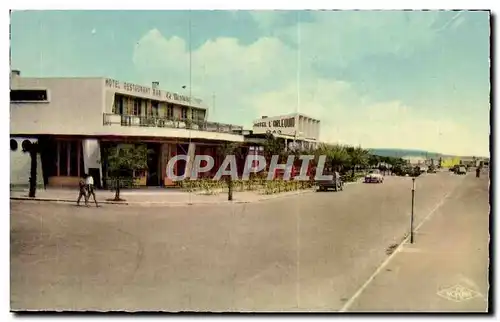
(89, 182)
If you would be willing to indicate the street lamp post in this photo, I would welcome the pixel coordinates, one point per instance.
(412, 210)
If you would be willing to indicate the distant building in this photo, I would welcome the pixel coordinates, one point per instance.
(448, 162)
(415, 160)
(296, 130)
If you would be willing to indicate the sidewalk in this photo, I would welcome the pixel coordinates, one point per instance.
(445, 269)
(155, 197)
(159, 197)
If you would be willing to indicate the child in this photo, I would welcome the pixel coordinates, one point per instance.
(83, 192)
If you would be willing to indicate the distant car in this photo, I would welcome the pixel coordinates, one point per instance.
(461, 170)
(422, 169)
(374, 177)
(335, 184)
(431, 170)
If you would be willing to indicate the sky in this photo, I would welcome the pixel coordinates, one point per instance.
(379, 79)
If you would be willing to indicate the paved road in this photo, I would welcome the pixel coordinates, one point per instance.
(445, 269)
(310, 252)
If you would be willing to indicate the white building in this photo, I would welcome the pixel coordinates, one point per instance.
(296, 128)
(74, 119)
(415, 160)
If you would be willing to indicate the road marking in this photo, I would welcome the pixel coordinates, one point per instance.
(349, 303)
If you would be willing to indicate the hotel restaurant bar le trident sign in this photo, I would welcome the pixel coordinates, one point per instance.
(143, 90)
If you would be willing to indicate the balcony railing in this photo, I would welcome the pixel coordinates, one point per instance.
(164, 122)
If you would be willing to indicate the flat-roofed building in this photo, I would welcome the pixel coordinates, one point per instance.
(294, 129)
(75, 119)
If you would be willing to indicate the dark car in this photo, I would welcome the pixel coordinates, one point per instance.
(336, 183)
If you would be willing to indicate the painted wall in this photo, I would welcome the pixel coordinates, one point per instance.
(75, 107)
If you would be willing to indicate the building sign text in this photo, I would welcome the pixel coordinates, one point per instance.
(288, 122)
(138, 89)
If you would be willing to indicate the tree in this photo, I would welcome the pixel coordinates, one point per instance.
(373, 160)
(123, 160)
(272, 146)
(32, 150)
(336, 155)
(229, 148)
(358, 157)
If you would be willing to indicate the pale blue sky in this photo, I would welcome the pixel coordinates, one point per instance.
(380, 79)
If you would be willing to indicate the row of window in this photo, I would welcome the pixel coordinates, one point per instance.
(127, 105)
(28, 95)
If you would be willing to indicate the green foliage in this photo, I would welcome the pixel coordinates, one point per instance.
(229, 148)
(337, 155)
(358, 157)
(273, 146)
(123, 159)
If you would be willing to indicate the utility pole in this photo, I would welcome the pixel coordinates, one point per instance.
(412, 210)
(213, 104)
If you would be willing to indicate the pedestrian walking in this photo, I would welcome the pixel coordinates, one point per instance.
(89, 182)
(478, 172)
(83, 192)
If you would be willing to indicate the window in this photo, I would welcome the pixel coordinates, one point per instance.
(28, 95)
(137, 107)
(154, 108)
(118, 106)
(201, 115)
(170, 111)
(70, 157)
(184, 112)
(13, 145)
(73, 158)
(63, 158)
(194, 114)
(26, 145)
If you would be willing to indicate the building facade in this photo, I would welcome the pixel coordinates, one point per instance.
(74, 120)
(297, 130)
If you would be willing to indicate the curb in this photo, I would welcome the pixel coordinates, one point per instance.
(173, 204)
(162, 203)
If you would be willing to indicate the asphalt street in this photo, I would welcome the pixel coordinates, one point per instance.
(309, 252)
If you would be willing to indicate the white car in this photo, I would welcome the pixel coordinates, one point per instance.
(374, 177)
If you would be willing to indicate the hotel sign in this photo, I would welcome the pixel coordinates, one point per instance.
(285, 125)
(148, 91)
(287, 122)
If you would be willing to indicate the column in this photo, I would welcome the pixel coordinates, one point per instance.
(92, 156)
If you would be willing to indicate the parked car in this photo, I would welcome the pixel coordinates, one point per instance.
(461, 170)
(336, 183)
(374, 176)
